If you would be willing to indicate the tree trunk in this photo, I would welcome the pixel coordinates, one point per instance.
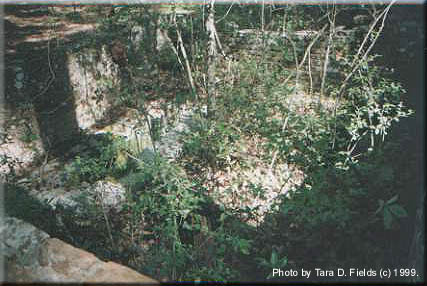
(212, 58)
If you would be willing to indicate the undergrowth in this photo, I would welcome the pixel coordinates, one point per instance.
(343, 214)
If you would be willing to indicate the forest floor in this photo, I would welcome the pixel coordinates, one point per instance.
(32, 28)
(31, 24)
(251, 179)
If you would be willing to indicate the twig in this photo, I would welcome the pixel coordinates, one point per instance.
(263, 16)
(226, 14)
(309, 73)
(356, 66)
(371, 28)
(305, 55)
(355, 144)
(41, 170)
(133, 157)
(212, 58)
(184, 54)
(107, 222)
(52, 78)
(219, 43)
(328, 48)
(174, 49)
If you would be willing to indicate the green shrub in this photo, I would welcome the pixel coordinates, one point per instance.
(350, 192)
(97, 161)
(208, 144)
(170, 208)
(336, 209)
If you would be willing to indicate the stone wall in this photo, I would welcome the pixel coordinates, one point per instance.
(31, 255)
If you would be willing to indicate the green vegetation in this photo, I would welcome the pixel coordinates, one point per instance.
(330, 121)
(100, 159)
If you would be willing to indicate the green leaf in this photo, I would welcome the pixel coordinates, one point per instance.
(392, 200)
(398, 210)
(262, 262)
(388, 218)
(381, 203)
(244, 247)
(274, 259)
(283, 262)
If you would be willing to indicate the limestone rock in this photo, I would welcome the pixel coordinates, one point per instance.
(111, 195)
(20, 143)
(137, 134)
(92, 74)
(169, 144)
(137, 36)
(32, 256)
(78, 202)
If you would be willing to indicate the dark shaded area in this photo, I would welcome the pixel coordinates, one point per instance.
(45, 82)
(17, 199)
(403, 47)
(42, 69)
(17, 32)
(52, 98)
(55, 108)
(24, 11)
(37, 77)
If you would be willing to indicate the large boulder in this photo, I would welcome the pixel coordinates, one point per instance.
(31, 255)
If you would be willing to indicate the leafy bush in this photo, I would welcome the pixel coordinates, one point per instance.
(168, 208)
(373, 103)
(336, 209)
(98, 160)
(208, 144)
(351, 196)
(350, 192)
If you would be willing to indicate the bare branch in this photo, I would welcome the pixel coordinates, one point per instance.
(298, 67)
(365, 55)
(184, 54)
(383, 14)
(328, 48)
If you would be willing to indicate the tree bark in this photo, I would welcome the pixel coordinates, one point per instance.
(212, 58)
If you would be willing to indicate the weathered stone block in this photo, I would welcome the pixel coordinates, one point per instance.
(32, 256)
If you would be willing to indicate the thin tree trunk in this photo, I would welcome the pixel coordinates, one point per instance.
(309, 73)
(187, 63)
(263, 16)
(328, 49)
(212, 58)
(184, 55)
(298, 66)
